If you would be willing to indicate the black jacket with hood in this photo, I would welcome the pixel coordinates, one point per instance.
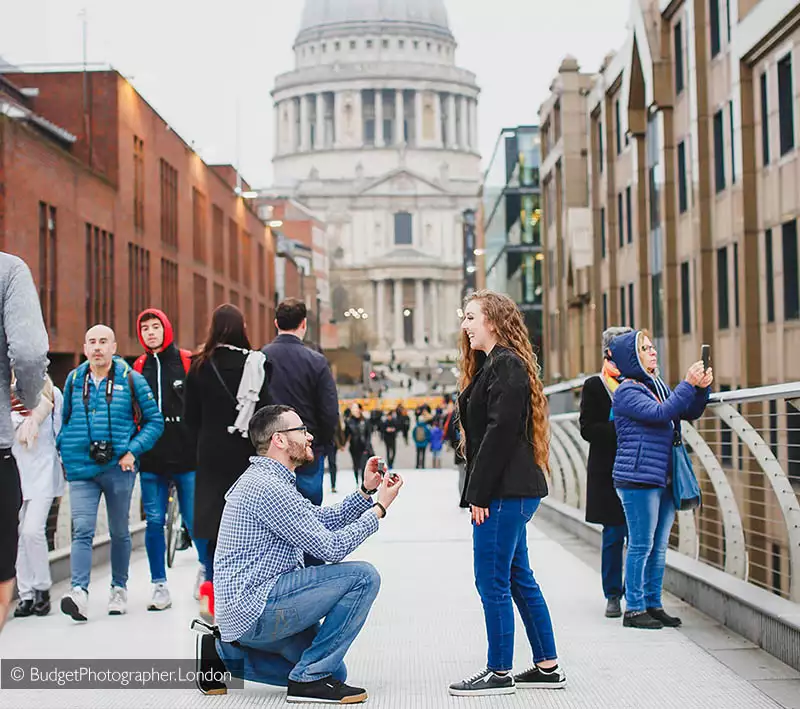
(175, 451)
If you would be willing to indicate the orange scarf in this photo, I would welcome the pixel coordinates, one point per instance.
(610, 375)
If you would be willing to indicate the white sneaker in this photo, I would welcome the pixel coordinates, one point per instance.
(117, 601)
(160, 600)
(201, 576)
(75, 604)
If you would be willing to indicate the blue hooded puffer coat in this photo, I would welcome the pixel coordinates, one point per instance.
(645, 426)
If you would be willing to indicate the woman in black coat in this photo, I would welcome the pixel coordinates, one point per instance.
(602, 503)
(210, 411)
(358, 432)
(503, 412)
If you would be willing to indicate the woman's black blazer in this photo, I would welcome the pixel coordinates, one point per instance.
(495, 411)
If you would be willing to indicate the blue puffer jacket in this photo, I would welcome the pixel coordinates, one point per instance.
(73, 441)
(645, 426)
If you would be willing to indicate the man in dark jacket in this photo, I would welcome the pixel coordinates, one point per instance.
(172, 459)
(302, 379)
(602, 504)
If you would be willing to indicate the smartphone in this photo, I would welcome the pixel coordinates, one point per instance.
(705, 354)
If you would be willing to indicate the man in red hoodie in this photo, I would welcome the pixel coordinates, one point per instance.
(173, 458)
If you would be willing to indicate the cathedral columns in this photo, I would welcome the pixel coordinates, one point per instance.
(305, 124)
(380, 298)
(399, 114)
(452, 138)
(399, 339)
(379, 142)
(319, 133)
(419, 313)
(463, 139)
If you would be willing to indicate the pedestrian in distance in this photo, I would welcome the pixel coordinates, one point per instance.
(23, 341)
(405, 422)
(392, 426)
(42, 479)
(602, 504)
(174, 456)
(358, 433)
(506, 441)
(452, 434)
(270, 605)
(302, 379)
(226, 384)
(437, 439)
(110, 419)
(333, 451)
(422, 438)
(647, 417)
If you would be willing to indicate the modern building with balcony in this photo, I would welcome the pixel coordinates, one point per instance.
(510, 240)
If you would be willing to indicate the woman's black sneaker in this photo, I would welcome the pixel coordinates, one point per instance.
(641, 619)
(325, 691)
(670, 621)
(484, 683)
(552, 678)
(210, 668)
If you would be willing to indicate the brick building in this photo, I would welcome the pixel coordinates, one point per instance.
(114, 212)
(685, 153)
(304, 270)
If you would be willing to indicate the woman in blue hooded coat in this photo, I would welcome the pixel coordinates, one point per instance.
(647, 415)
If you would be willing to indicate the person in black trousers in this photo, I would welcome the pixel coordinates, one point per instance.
(602, 503)
(391, 427)
(214, 386)
(506, 439)
(358, 433)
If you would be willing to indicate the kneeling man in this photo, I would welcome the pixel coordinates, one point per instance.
(268, 605)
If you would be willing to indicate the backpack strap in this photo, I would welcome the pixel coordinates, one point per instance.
(138, 365)
(186, 359)
(68, 387)
(138, 416)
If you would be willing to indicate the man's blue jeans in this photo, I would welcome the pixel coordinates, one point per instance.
(287, 641)
(650, 513)
(155, 498)
(309, 485)
(84, 498)
(502, 574)
(614, 536)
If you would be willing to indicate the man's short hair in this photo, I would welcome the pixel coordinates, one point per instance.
(290, 314)
(266, 422)
(147, 317)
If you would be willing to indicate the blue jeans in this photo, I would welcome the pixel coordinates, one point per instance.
(650, 513)
(309, 485)
(614, 536)
(287, 641)
(502, 574)
(84, 498)
(155, 498)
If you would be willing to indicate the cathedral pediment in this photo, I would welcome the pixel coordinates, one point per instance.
(402, 182)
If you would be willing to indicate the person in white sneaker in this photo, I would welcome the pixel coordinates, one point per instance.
(174, 456)
(109, 419)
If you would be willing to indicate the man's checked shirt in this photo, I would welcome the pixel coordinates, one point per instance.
(266, 526)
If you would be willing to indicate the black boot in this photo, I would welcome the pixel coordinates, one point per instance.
(670, 621)
(24, 608)
(41, 602)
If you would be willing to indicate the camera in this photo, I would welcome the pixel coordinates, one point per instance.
(101, 452)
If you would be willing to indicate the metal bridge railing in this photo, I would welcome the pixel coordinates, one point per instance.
(746, 455)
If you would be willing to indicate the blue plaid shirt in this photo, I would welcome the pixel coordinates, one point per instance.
(266, 526)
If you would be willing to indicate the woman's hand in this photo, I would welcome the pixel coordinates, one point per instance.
(695, 374)
(707, 380)
(479, 514)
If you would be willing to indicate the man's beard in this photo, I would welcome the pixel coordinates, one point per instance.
(299, 454)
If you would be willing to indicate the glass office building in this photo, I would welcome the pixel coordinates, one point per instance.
(512, 241)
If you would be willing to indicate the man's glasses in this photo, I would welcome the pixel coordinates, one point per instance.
(304, 429)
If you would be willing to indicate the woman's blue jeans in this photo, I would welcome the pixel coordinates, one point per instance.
(650, 513)
(155, 498)
(504, 578)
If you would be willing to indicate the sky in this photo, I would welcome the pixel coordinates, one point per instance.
(208, 67)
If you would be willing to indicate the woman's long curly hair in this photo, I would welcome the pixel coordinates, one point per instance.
(503, 315)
